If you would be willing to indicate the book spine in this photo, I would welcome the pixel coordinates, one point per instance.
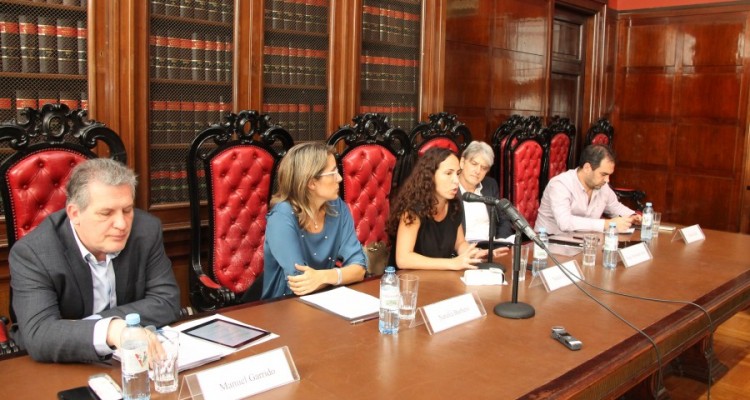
(158, 110)
(84, 100)
(82, 47)
(200, 117)
(173, 56)
(200, 10)
(47, 42)
(172, 8)
(228, 59)
(227, 11)
(186, 8)
(277, 14)
(185, 52)
(157, 7)
(318, 121)
(187, 121)
(220, 54)
(303, 122)
(24, 99)
(6, 106)
(67, 46)
(212, 112)
(210, 59)
(10, 49)
(29, 43)
(198, 57)
(213, 10)
(172, 121)
(70, 99)
(47, 97)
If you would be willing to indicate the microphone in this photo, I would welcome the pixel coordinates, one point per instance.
(475, 198)
(518, 220)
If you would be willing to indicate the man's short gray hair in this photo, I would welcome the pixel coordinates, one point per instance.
(479, 148)
(103, 170)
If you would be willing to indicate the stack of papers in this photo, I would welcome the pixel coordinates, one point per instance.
(345, 302)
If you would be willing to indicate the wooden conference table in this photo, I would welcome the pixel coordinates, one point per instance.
(491, 357)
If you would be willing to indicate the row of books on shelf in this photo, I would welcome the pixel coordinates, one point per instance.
(43, 44)
(11, 106)
(297, 15)
(74, 3)
(390, 23)
(178, 122)
(302, 121)
(401, 115)
(294, 66)
(169, 182)
(211, 10)
(388, 73)
(202, 57)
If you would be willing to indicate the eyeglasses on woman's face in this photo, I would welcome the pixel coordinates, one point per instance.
(335, 174)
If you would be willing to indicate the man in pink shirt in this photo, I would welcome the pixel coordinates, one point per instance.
(578, 200)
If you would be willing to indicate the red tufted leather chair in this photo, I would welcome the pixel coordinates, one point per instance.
(45, 149)
(501, 140)
(370, 156)
(602, 132)
(523, 169)
(233, 167)
(442, 130)
(558, 150)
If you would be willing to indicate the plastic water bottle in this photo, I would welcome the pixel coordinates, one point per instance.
(389, 299)
(134, 360)
(540, 255)
(610, 247)
(647, 222)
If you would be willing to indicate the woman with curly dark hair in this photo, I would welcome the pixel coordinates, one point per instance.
(425, 221)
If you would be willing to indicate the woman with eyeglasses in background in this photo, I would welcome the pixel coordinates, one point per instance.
(309, 227)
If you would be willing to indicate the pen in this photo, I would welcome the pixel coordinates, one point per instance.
(363, 319)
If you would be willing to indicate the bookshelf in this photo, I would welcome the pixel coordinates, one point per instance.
(295, 59)
(190, 85)
(389, 60)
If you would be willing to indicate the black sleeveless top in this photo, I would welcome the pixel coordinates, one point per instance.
(434, 239)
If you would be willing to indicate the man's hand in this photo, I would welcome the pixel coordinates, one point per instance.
(114, 337)
(623, 223)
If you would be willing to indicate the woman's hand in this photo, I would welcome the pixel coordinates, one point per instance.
(499, 252)
(309, 281)
(469, 258)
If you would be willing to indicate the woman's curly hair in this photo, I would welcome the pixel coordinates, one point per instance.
(416, 199)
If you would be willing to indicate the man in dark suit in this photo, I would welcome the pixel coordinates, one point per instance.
(476, 161)
(77, 275)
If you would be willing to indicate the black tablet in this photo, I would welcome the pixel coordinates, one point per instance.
(226, 333)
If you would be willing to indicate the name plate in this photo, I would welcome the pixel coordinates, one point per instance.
(554, 278)
(692, 234)
(451, 312)
(635, 254)
(243, 378)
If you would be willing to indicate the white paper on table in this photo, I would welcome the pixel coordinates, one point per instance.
(346, 302)
(478, 277)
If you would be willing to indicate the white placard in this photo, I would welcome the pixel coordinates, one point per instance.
(451, 312)
(249, 376)
(635, 254)
(692, 234)
(554, 278)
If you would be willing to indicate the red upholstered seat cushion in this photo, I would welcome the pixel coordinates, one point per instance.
(37, 186)
(241, 182)
(441, 142)
(527, 166)
(368, 173)
(600, 138)
(558, 155)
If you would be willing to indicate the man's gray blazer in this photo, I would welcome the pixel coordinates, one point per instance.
(53, 289)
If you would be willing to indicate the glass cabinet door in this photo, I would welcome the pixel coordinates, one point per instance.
(389, 63)
(190, 87)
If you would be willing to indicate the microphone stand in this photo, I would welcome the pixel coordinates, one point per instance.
(491, 243)
(513, 309)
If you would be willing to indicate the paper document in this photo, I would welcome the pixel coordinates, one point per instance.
(345, 302)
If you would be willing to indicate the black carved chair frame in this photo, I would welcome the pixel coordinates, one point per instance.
(235, 164)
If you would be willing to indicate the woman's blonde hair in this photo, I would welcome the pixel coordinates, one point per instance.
(301, 164)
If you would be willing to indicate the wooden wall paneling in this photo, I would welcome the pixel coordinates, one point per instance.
(247, 66)
(343, 62)
(468, 71)
(522, 26)
(690, 88)
(518, 81)
(469, 22)
(431, 86)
